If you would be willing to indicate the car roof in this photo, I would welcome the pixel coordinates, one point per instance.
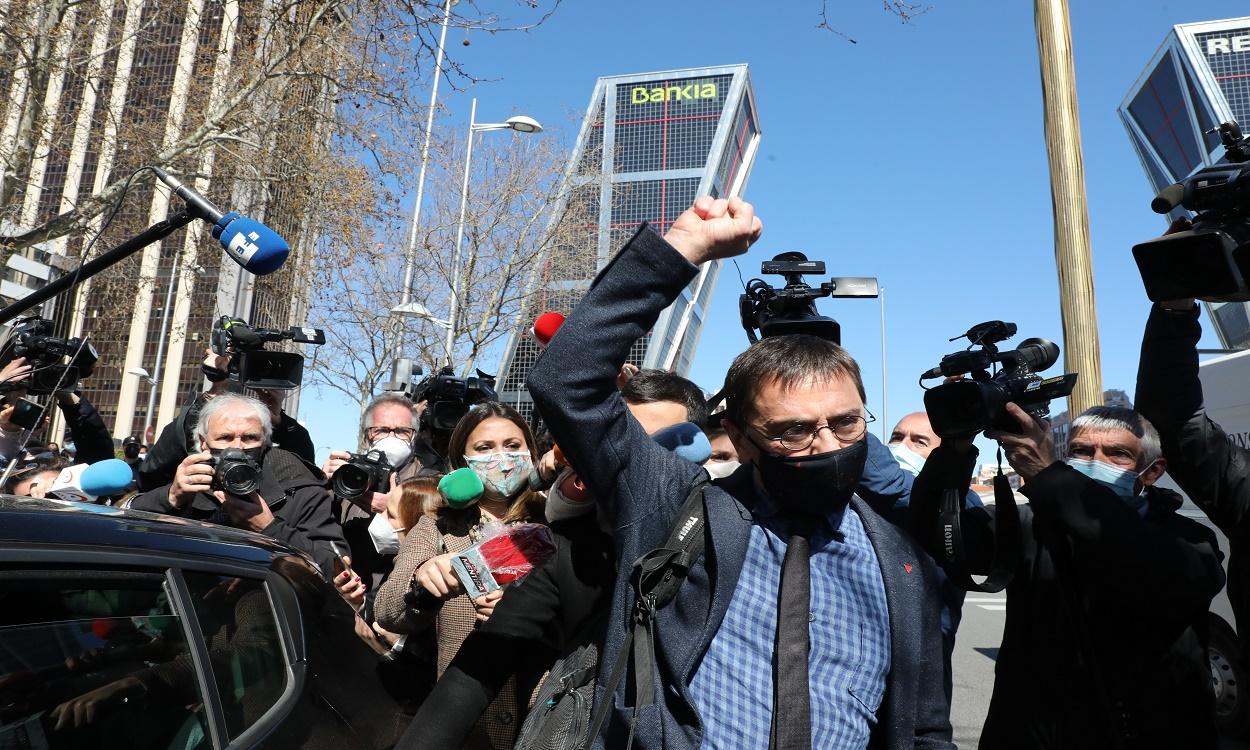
(27, 520)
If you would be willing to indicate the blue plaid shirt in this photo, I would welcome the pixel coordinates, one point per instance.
(850, 642)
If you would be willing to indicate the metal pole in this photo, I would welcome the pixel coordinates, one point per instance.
(410, 257)
(160, 348)
(453, 300)
(1067, 186)
(885, 388)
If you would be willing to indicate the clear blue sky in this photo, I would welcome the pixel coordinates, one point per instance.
(915, 155)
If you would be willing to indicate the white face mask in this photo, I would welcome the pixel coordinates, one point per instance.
(721, 469)
(385, 537)
(396, 450)
(907, 458)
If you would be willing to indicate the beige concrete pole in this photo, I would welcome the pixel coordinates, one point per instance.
(1067, 187)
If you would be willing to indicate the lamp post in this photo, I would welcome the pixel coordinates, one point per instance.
(420, 312)
(520, 124)
(143, 374)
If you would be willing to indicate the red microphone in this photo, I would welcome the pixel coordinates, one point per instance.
(503, 558)
(545, 327)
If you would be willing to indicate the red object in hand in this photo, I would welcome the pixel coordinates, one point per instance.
(513, 553)
(546, 326)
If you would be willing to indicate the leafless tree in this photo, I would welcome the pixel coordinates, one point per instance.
(905, 11)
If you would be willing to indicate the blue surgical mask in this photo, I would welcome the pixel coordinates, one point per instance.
(907, 458)
(1122, 482)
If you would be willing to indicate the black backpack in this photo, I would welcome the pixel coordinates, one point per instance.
(564, 715)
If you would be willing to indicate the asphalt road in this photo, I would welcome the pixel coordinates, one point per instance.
(976, 645)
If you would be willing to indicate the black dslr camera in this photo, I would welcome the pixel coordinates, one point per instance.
(254, 367)
(55, 360)
(1212, 260)
(792, 308)
(448, 397)
(964, 408)
(361, 475)
(235, 472)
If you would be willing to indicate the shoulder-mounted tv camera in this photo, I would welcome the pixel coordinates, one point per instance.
(1211, 260)
(254, 367)
(792, 309)
(55, 360)
(963, 408)
(448, 397)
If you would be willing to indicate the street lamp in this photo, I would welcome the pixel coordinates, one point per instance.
(520, 124)
(420, 312)
(141, 372)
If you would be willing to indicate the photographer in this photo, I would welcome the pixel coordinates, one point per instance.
(86, 428)
(1105, 641)
(796, 416)
(178, 438)
(291, 503)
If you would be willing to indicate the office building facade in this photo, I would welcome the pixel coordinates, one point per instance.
(649, 145)
(128, 76)
(1199, 78)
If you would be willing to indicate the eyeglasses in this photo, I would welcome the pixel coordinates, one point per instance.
(800, 436)
(377, 433)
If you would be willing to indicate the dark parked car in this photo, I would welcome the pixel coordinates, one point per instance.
(121, 629)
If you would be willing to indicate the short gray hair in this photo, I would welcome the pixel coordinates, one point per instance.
(1120, 418)
(223, 401)
(366, 419)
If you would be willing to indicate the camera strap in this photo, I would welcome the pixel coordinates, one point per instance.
(1007, 550)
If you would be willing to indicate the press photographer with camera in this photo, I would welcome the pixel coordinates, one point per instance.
(1105, 639)
(236, 362)
(711, 670)
(237, 478)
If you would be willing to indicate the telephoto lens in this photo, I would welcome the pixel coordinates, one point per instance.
(235, 472)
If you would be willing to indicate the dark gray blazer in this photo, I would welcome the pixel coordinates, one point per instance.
(641, 486)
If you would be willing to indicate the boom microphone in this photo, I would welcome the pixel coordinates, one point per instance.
(256, 247)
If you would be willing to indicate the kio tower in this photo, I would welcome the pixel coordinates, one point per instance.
(650, 144)
(1199, 78)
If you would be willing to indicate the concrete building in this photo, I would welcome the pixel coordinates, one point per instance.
(1199, 78)
(128, 75)
(649, 145)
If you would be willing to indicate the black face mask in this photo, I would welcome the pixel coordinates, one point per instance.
(253, 453)
(812, 486)
(131, 451)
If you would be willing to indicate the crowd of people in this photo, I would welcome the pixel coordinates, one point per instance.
(769, 575)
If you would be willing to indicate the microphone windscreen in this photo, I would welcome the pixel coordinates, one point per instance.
(68, 485)
(546, 326)
(686, 440)
(112, 476)
(256, 247)
(513, 553)
(461, 488)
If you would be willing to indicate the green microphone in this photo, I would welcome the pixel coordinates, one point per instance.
(461, 488)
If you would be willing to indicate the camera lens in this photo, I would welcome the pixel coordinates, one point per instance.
(238, 477)
(352, 481)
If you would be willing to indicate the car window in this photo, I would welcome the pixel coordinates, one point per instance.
(95, 659)
(241, 636)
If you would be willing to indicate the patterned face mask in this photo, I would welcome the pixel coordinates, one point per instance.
(504, 474)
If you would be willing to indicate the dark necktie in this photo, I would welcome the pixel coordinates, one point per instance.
(792, 714)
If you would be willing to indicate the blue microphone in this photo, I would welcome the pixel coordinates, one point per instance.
(686, 440)
(256, 247)
(112, 476)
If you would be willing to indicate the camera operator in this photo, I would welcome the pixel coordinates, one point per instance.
(86, 428)
(291, 503)
(1213, 471)
(178, 438)
(1105, 641)
(796, 415)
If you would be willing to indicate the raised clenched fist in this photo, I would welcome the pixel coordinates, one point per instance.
(714, 228)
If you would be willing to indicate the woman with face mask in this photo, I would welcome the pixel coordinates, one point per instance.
(495, 442)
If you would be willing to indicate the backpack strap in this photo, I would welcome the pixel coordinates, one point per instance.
(656, 577)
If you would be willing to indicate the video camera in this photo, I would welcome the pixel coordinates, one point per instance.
(254, 367)
(792, 308)
(964, 408)
(1212, 260)
(361, 475)
(55, 360)
(448, 397)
